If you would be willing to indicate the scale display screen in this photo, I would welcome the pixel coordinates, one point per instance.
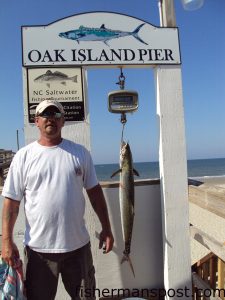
(122, 101)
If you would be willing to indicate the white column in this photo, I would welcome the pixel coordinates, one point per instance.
(173, 175)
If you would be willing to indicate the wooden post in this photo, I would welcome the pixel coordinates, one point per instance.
(212, 271)
(221, 268)
(173, 171)
(168, 13)
(205, 268)
(173, 175)
(199, 272)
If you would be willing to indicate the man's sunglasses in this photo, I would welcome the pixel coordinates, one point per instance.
(50, 114)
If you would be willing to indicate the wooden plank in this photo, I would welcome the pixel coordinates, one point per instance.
(199, 272)
(205, 259)
(221, 273)
(173, 176)
(209, 242)
(212, 271)
(213, 189)
(210, 198)
(202, 285)
(205, 268)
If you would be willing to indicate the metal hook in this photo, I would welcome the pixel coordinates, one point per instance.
(123, 120)
(121, 79)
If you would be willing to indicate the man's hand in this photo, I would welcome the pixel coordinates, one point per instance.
(10, 253)
(10, 211)
(98, 203)
(106, 241)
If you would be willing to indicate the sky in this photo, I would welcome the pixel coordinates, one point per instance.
(202, 44)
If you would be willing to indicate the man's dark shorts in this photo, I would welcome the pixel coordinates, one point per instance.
(76, 268)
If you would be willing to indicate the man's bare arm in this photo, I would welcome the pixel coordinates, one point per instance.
(98, 203)
(9, 215)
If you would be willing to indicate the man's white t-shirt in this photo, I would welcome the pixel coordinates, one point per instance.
(51, 180)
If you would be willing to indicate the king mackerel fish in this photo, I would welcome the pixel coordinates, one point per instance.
(126, 195)
(99, 34)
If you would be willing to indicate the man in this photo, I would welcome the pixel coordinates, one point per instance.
(50, 175)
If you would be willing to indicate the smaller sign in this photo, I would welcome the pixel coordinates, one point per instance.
(61, 84)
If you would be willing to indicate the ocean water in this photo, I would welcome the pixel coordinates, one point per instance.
(146, 170)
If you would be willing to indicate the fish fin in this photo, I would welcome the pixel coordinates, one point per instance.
(117, 172)
(136, 172)
(135, 34)
(48, 85)
(105, 42)
(74, 78)
(126, 257)
(57, 73)
(49, 72)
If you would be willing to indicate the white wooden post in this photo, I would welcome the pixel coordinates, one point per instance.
(173, 175)
(173, 172)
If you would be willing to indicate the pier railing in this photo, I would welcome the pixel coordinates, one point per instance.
(207, 230)
(6, 157)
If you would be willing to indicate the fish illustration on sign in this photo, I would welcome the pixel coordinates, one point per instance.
(99, 34)
(56, 76)
(126, 195)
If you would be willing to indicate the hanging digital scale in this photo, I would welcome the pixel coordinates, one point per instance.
(122, 101)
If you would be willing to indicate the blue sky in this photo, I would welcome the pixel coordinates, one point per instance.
(202, 42)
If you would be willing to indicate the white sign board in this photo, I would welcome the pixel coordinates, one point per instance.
(100, 38)
(62, 84)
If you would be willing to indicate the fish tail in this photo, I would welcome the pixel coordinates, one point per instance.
(138, 28)
(126, 257)
(135, 34)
